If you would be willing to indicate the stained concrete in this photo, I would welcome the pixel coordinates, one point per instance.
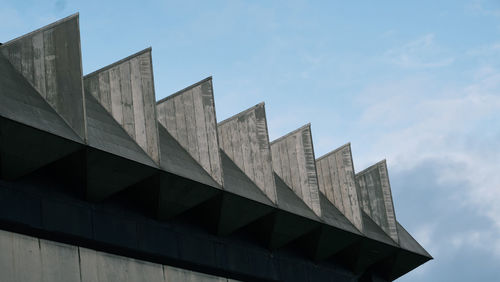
(32, 134)
(245, 139)
(189, 116)
(336, 180)
(113, 159)
(375, 197)
(293, 161)
(126, 90)
(50, 59)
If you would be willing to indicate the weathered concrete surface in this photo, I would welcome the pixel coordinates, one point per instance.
(126, 90)
(245, 139)
(293, 161)
(32, 134)
(336, 181)
(374, 192)
(25, 259)
(189, 116)
(50, 59)
(114, 160)
(173, 274)
(103, 267)
(410, 256)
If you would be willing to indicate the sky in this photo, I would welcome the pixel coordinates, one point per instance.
(415, 83)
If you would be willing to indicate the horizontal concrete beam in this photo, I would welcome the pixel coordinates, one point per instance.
(189, 116)
(337, 182)
(126, 90)
(293, 161)
(374, 191)
(245, 139)
(50, 59)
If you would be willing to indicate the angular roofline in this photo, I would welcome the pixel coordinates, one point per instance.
(384, 161)
(241, 113)
(51, 25)
(184, 90)
(334, 151)
(149, 49)
(308, 125)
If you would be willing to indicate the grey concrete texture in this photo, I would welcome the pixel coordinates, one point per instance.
(126, 90)
(189, 116)
(50, 60)
(32, 134)
(406, 241)
(337, 182)
(29, 259)
(293, 160)
(245, 139)
(375, 196)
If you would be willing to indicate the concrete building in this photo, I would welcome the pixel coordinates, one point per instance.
(101, 182)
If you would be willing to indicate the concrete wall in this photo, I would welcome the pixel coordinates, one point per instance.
(189, 116)
(245, 139)
(337, 182)
(293, 161)
(374, 191)
(28, 259)
(126, 90)
(50, 59)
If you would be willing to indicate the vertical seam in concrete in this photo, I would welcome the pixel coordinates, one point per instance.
(85, 138)
(79, 263)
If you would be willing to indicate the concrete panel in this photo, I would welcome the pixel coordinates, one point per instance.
(102, 267)
(173, 274)
(20, 258)
(245, 139)
(337, 182)
(60, 262)
(32, 133)
(293, 161)
(189, 116)
(50, 59)
(374, 192)
(126, 90)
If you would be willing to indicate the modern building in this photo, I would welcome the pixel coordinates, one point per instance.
(101, 182)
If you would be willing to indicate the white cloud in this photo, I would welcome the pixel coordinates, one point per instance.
(453, 126)
(422, 52)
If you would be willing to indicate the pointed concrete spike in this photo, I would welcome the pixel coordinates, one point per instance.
(374, 191)
(410, 256)
(293, 161)
(50, 59)
(189, 116)
(126, 90)
(32, 134)
(245, 139)
(336, 181)
(114, 161)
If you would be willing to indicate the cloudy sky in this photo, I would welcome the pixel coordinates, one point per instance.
(417, 84)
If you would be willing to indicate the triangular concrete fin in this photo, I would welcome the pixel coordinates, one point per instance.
(373, 231)
(375, 197)
(290, 202)
(32, 134)
(114, 160)
(175, 159)
(406, 241)
(333, 217)
(236, 181)
(189, 116)
(126, 90)
(293, 160)
(50, 59)
(337, 182)
(245, 139)
(105, 134)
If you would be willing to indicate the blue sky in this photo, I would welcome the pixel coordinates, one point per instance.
(415, 83)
